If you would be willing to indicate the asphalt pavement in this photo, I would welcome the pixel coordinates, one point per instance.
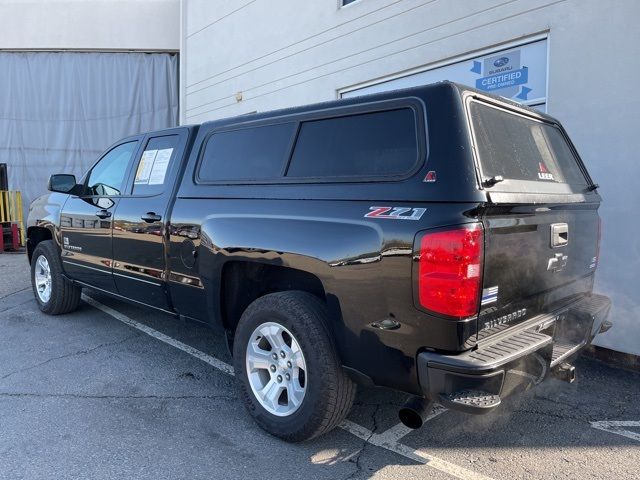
(117, 391)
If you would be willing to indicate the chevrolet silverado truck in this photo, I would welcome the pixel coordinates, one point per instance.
(436, 240)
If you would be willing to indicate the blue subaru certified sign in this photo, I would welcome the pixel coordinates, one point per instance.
(501, 62)
(503, 80)
(518, 73)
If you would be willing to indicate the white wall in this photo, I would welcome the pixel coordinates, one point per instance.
(280, 54)
(145, 25)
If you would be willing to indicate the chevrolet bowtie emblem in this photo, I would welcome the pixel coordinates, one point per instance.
(557, 262)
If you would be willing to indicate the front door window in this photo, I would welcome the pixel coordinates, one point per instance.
(107, 177)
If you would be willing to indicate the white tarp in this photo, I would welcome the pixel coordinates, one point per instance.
(60, 110)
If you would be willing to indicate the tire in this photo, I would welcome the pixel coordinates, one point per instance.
(63, 296)
(328, 392)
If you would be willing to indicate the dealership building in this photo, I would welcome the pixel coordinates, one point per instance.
(78, 75)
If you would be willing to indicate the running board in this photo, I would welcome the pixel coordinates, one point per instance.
(563, 350)
(470, 401)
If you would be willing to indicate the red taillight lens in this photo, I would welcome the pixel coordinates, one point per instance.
(450, 271)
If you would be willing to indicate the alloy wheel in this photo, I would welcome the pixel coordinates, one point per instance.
(276, 369)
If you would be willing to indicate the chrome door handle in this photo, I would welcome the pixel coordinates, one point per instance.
(103, 214)
(559, 234)
(151, 217)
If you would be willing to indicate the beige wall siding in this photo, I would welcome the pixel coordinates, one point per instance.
(146, 25)
(279, 54)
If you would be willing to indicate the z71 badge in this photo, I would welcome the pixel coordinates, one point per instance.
(396, 213)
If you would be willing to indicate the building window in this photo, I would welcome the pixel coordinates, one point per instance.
(347, 2)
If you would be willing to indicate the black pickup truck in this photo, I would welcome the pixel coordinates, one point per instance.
(434, 240)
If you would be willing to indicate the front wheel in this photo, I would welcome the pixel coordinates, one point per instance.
(54, 293)
(288, 369)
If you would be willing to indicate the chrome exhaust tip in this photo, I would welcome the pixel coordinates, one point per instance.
(415, 411)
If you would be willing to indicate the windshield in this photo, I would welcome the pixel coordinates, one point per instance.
(522, 149)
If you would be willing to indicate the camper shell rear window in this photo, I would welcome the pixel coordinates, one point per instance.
(525, 150)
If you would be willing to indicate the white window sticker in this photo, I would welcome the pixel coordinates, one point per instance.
(160, 166)
(145, 166)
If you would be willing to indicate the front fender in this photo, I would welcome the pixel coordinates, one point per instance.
(44, 212)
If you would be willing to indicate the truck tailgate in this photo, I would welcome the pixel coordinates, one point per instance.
(538, 258)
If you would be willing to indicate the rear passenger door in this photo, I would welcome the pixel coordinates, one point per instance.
(141, 220)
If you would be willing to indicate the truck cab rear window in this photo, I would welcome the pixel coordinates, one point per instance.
(247, 154)
(522, 148)
(364, 145)
(154, 164)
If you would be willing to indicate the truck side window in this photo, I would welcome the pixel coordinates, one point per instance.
(154, 164)
(247, 154)
(364, 145)
(108, 175)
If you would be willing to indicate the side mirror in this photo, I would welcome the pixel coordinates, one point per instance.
(62, 183)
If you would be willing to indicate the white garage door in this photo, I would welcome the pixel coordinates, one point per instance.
(59, 110)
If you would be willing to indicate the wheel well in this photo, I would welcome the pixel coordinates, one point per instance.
(35, 235)
(244, 282)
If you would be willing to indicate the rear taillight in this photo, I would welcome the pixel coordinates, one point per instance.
(450, 271)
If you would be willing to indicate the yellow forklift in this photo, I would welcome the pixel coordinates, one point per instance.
(11, 221)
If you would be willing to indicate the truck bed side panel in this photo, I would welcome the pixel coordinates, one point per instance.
(364, 265)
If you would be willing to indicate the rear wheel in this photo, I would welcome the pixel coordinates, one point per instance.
(288, 370)
(54, 293)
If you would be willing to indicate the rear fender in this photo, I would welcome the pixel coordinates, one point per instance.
(305, 244)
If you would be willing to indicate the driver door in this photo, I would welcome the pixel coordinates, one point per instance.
(86, 221)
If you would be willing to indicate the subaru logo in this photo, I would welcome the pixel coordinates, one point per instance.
(501, 62)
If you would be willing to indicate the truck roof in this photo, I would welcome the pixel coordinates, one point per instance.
(443, 89)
